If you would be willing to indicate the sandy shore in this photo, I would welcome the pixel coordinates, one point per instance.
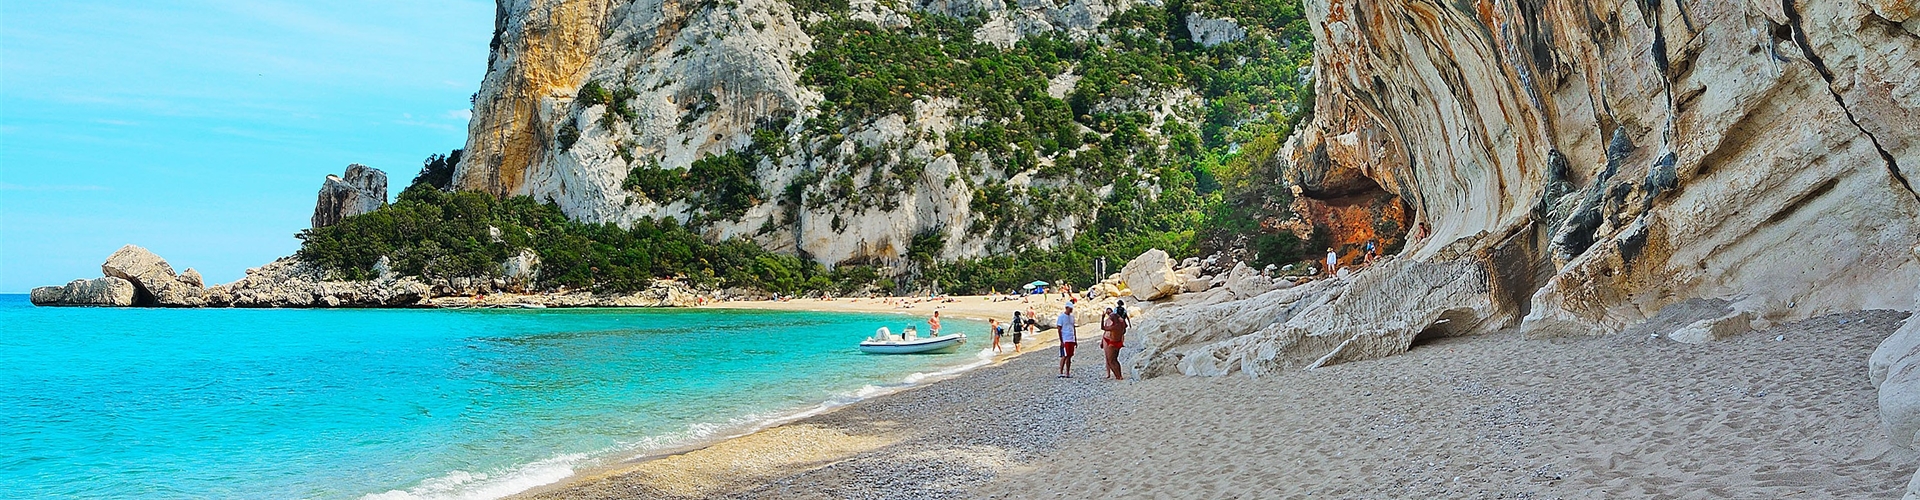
(1783, 413)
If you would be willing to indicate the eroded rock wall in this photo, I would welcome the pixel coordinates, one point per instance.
(1756, 152)
(1582, 168)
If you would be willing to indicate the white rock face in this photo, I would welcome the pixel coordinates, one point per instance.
(521, 270)
(1378, 313)
(1894, 368)
(1210, 32)
(1675, 154)
(704, 76)
(1151, 276)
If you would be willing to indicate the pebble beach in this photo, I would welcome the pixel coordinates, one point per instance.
(1785, 412)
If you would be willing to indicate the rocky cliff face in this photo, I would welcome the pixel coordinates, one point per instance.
(1577, 168)
(580, 95)
(1747, 151)
(362, 190)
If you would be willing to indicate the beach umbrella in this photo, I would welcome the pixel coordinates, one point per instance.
(1038, 283)
(1029, 286)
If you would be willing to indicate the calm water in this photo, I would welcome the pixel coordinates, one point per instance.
(216, 403)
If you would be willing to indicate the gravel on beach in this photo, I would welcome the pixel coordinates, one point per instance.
(1782, 413)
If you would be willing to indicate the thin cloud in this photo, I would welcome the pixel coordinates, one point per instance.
(51, 187)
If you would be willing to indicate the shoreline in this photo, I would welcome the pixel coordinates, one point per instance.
(1781, 414)
(783, 427)
(974, 307)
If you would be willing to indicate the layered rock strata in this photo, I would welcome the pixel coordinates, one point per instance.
(1581, 168)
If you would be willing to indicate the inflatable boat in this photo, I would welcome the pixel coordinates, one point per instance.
(883, 342)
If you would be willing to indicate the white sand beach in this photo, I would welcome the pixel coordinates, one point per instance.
(1782, 413)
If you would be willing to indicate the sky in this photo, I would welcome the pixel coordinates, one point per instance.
(202, 129)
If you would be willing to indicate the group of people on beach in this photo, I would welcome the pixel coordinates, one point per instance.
(1113, 325)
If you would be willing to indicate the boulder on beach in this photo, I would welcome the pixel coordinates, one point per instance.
(104, 291)
(1151, 277)
(1244, 281)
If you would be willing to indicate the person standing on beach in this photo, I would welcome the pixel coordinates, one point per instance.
(1115, 337)
(1333, 262)
(1067, 341)
(1019, 327)
(993, 327)
(933, 325)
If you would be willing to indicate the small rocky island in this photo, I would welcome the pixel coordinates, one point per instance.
(136, 277)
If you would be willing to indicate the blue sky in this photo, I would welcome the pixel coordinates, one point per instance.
(202, 129)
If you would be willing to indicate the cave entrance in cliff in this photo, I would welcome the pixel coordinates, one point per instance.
(1452, 323)
(1350, 208)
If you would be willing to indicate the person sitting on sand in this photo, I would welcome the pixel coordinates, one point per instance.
(1067, 341)
(933, 325)
(993, 326)
(1115, 337)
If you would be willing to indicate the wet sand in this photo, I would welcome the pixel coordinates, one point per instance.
(1491, 416)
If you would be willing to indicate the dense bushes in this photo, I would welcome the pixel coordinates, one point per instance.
(435, 234)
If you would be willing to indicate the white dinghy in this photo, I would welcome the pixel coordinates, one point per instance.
(884, 342)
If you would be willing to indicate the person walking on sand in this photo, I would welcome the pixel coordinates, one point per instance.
(1067, 341)
(1115, 327)
(993, 327)
(933, 325)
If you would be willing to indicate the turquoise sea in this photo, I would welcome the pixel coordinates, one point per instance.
(234, 403)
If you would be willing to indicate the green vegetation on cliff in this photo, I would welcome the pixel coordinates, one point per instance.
(1155, 141)
(437, 234)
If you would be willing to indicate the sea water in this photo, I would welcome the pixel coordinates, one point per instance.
(387, 403)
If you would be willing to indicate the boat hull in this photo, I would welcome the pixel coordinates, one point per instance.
(936, 345)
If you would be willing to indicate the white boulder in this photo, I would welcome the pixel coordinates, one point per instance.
(1151, 277)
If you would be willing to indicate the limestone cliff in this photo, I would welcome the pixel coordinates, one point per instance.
(583, 100)
(1592, 165)
(362, 190)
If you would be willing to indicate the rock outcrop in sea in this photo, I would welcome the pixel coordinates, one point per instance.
(138, 277)
(362, 190)
(102, 291)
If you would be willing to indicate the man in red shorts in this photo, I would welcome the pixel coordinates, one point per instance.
(1067, 341)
